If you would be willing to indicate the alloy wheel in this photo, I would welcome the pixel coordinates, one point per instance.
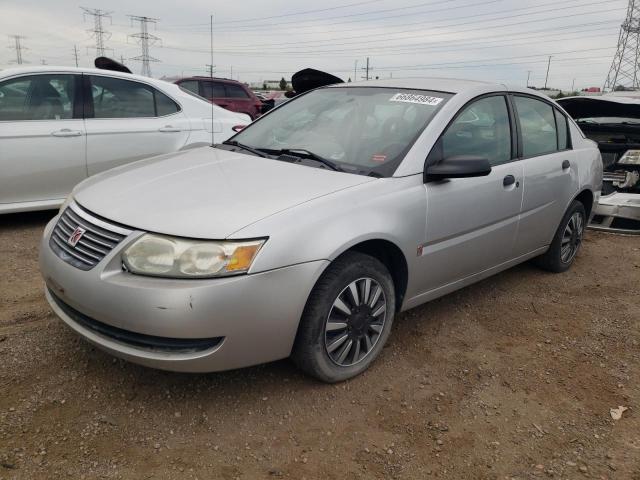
(572, 238)
(355, 322)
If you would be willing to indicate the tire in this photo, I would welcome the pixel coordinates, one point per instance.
(570, 234)
(324, 321)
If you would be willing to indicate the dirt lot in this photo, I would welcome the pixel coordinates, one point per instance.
(511, 378)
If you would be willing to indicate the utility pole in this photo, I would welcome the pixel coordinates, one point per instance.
(98, 32)
(625, 68)
(18, 47)
(122, 59)
(211, 66)
(144, 39)
(528, 77)
(355, 71)
(573, 85)
(367, 68)
(546, 81)
(75, 54)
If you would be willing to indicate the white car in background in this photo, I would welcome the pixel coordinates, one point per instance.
(59, 125)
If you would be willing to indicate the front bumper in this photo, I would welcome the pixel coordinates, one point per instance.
(249, 319)
(618, 213)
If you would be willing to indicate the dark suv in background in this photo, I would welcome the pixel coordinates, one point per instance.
(225, 93)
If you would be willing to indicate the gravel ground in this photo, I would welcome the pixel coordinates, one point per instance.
(511, 378)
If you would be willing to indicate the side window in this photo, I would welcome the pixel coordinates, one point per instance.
(190, 85)
(482, 129)
(164, 105)
(563, 131)
(118, 98)
(37, 97)
(538, 126)
(218, 90)
(235, 91)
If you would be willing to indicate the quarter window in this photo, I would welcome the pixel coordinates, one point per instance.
(37, 97)
(482, 129)
(119, 98)
(538, 126)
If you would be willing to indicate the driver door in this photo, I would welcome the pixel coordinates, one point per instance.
(472, 222)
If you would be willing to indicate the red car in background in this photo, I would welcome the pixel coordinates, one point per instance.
(225, 93)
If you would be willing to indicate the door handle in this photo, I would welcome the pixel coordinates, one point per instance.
(66, 132)
(566, 165)
(508, 181)
(169, 128)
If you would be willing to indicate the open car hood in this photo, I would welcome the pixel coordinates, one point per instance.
(308, 79)
(604, 106)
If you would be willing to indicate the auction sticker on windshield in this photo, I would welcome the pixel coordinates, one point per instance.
(414, 98)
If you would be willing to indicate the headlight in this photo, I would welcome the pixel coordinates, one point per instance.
(161, 256)
(631, 157)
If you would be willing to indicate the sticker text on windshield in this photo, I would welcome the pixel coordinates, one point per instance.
(413, 98)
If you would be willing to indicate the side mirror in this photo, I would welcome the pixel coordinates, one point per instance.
(461, 166)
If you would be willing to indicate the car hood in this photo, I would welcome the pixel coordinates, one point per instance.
(205, 192)
(603, 106)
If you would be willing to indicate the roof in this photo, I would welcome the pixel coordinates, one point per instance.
(55, 69)
(451, 85)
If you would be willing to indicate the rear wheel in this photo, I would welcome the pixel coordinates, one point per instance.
(347, 319)
(566, 242)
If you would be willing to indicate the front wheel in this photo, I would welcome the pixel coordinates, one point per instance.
(347, 319)
(566, 242)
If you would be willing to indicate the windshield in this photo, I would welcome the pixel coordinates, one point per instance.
(365, 130)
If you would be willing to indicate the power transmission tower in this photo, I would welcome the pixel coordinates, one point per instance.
(18, 47)
(145, 39)
(98, 32)
(624, 68)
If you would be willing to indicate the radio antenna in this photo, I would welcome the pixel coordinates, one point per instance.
(212, 89)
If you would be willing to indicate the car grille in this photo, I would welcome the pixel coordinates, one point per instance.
(94, 244)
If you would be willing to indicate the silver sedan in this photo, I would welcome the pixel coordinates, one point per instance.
(309, 230)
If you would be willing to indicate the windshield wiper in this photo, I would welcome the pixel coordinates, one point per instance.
(235, 143)
(307, 154)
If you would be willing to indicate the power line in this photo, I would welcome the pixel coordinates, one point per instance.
(144, 39)
(98, 32)
(18, 47)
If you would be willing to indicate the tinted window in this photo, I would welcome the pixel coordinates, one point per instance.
(37, 97)
(563, 131)
(482, 129)
(117, 98)
(164, 105)
(538, 126)
(235, 91)
(218, 90)
(190, 85)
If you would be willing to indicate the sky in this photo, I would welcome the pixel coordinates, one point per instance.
(253, 40)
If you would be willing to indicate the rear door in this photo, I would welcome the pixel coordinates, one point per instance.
(42, 137)
(472, 222)
(550, 171)
(129, 120)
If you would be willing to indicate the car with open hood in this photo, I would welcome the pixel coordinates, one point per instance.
(613, 121)
(305, 233)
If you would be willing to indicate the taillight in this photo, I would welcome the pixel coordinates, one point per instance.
(238, 128)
